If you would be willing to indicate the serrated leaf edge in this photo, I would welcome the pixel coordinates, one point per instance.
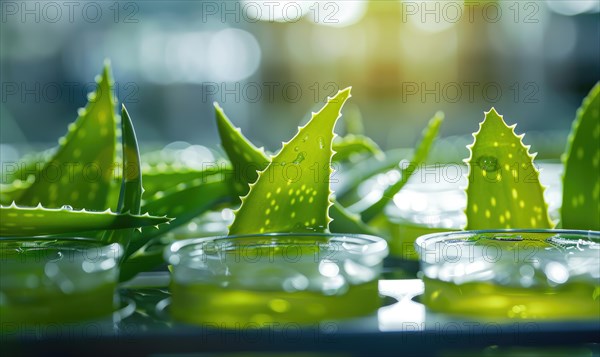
(284, 144)
(530, 155)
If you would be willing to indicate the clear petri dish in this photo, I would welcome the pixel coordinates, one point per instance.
(254, 280)
(513, 274)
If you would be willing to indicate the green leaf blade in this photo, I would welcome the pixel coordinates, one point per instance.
(246, 156)
(429, 135)
(503, 189)
(361, 171)
(11, 192)
(81, 170)
(159, 181)
(24, 169)
(247, 160)
(581, 182)
(35, 221)
(351, 145)
(183, 203)
(292, 194)
(344, 221)
(130, 199)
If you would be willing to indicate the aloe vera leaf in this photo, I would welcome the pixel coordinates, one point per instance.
(292, 194)
(81, 170)
(342, 220)
(184, 202)
(28, 166)
(247, 160)
(130, 197)
(406, 171)
(581, 181)
(149, 256)
(352, 144)
(35, 221)
(11, 192)
(141, 261)
(353, 120)
(359, 172)
(503, 189)
(167, 167)
(168, 177)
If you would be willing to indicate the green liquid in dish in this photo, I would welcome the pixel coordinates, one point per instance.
(56, 281)
(254, 281)
(570, 301)
(232, 308)
(546, 275)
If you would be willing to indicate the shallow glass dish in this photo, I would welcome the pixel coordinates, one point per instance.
(54, 281)
(251, 281)
(514, 274)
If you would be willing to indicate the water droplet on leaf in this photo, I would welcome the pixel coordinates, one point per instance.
(488, 163)
(67, 207)
(301, 156)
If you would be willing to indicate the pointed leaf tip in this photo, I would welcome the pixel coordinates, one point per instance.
(428, 137)
(283, 200)
(89, 140)
(503, 189)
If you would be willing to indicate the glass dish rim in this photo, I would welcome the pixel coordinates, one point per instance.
(423, 241)
(118, 250)
(377, 245)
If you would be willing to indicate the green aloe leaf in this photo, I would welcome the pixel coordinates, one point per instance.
(130, 197)
(581, 182)
(362, 170)
(344, 221)
(166, 168)
(419, 157)
(142, 260)
(292, 194)
(247, 160)
(351, 144)
(81, 170)
(504, 189)
(11, 192)
(256, 159)
(156, 181)
(27, 166)
(353, 120)
(35, 221)
(184, 202)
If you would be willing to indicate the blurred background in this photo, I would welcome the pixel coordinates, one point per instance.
(270, 63)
